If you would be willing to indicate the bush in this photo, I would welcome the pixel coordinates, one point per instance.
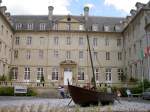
(6, 91)
(31, 92)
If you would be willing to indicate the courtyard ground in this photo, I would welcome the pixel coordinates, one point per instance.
(34, 104)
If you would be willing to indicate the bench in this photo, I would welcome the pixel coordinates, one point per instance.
(20, 90)
(136, 95)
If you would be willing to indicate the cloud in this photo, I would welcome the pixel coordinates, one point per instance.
(124, 5)
(89, 5)
(39, 7)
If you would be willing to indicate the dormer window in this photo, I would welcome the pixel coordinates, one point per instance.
(30, 26)
(94, 27)
(42, 26)
(117, 28)
(106, 28)
(18, 26)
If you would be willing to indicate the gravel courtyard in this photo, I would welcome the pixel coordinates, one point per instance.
(27, 104)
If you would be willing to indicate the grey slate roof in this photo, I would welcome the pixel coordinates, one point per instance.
(37, 19)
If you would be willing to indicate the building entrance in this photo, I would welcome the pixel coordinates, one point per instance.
(67, 76)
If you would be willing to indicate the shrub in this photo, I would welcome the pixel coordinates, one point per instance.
(31, 92)
(6, 91)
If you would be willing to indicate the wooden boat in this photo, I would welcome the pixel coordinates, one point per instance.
(86, 97)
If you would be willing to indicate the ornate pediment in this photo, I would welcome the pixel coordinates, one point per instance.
(68, 62)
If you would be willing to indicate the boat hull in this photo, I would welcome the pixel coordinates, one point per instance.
(86, 97)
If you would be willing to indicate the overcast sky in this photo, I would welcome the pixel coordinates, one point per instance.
(75, 7)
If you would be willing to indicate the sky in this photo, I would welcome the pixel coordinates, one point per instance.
(116, 8)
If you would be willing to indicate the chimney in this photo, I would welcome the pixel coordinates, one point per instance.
(0, 2)
(86, 12)
(8, 16)
(3, 9)
(50, 13)
(133, 12)
(139, 5)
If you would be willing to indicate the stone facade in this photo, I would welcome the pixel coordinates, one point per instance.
(55, 47)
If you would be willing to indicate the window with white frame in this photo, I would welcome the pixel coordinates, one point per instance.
(80, 73)
(29, 40)
(55, 73)
(18, 26)
(107, 55)
(119, 56)
(68, 26)
(17, 40)
(42, 40)
(108, 74)
(41, 54)
(95, 42)
(81, 27)
(68, 54)
(40, 73)
(68, 40)
(80, 40)
(80, 54)
(56, 40)
(15, 73)
(15, 54)
(30, 26)
(26, 73)
(56, 54)
(42, 26)
(28, 54)
(55, 27)
(97, 73)
(120, 74)
(118, 42)
(0, 45)
(107, 41)
(95, 55)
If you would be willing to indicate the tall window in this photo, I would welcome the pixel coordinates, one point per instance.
(97, 73)
(68, 54)
(17, 40)
(106, 41)
(15, 54)
(30, 26)
(18, 26)
(29, 40)
(55, 27)
(2, 27)
(0, 45)
(40, 73)
(134, 48)
(107, 55)
(108, 74)
(80, 40)
(41, 54)
(42, 41)
(118, 42)
(120, 74)
(95, 55)
(81, 27)
(27, 73)
(42, 26)
(56, 40)
(56, 54)
(55, 73)
(15, 73)
(28, 54)
(94, 41)
(68, 26)
(81, 74)
(80, 54)
(119, 56)
(68, 40)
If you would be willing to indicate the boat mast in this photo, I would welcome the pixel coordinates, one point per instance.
(93, 78)
(86, 13)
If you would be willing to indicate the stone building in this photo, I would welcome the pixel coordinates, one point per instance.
(54, 47)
